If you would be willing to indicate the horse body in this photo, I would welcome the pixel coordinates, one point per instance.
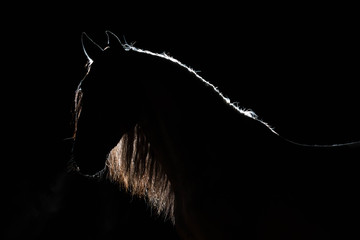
(216, 173)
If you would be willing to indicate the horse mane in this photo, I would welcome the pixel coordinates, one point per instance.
(133, 165)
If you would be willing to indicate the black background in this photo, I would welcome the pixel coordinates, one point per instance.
(295, 66)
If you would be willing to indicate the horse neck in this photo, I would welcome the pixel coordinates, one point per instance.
(192, 127)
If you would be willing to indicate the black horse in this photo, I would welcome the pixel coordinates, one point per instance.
(215, 170)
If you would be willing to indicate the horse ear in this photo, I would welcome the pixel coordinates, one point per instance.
(90, 48)
(114, 41)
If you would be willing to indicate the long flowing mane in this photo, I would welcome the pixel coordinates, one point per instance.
(133, 165)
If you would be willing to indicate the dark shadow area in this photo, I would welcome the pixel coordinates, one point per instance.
(298, 73)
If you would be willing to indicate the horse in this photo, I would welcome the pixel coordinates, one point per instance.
(160, 131)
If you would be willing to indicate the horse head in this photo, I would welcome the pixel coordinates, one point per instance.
(107, 103)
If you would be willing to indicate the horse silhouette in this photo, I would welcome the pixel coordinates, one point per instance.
(154, 126)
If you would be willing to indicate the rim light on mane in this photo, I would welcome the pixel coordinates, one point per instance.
(130, 47)
(247, 112)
